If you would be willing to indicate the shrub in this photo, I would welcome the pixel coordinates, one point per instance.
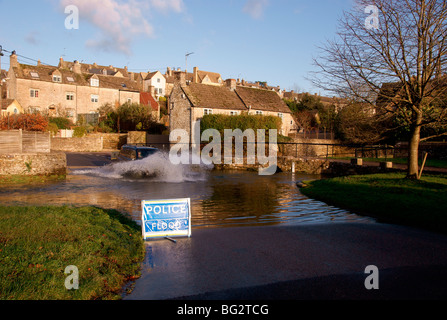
(61, 122)
(221, 122)
(52, 128)
(28, 122)
(79, 132)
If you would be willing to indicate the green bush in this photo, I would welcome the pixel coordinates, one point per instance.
(79, 132)
(221, 122)
(61, 122)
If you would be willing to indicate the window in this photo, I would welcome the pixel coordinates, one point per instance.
(57, 78)
(94, 82)
(207, 111)
(70, 96)
(234, 113)
(158, 80)
(70, 79)
(280, 115)
(129, 100)
(94, 98)
(33, 93)
(160, 91)
(34, 75)
(258, 113)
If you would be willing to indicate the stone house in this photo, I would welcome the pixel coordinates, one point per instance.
(70, 89)
(190, 101)
(197, 76)
(155, 83)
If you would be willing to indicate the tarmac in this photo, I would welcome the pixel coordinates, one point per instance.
(308, 262)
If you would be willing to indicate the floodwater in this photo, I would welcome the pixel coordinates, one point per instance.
(218, 198)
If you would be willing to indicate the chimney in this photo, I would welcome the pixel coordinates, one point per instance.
(39, 63)
(231, 84)
(61, 62)
(169, 71)
(131, 76)
(13, 60)
(181, 78)
(77, 67)
(195, 78)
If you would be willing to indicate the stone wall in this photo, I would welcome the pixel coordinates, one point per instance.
(112, 141)
(315, 148)
(29, 164)
(94, 143)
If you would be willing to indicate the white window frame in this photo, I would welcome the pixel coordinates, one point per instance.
(94, 98)
(207, 111)
(259, 113)
(94, 82)
(69, 96)
(281, 115)
(34, 93)
(234, 113)
(57, 78)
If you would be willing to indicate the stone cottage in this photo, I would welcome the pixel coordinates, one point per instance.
(190, 101)
(70, 89)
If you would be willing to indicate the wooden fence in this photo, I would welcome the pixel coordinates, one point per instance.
(18, 141)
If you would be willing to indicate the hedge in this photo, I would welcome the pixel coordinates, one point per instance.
(221, 122)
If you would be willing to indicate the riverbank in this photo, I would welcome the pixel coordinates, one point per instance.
(38, 243)
(388, 198)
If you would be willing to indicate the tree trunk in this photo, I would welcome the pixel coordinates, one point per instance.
(413, 152)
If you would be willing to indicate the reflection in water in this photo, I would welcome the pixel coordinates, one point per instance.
(222, 199)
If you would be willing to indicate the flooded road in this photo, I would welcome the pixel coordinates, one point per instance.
(218, 198)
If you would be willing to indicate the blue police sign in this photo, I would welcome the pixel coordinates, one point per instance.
(166, 218)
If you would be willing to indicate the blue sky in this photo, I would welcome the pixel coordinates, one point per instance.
(255, 40)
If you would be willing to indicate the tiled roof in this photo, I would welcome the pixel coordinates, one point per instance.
(6, 103)
(45, 73)
(148, 100)
(213, 76)
(206, 96)
(260, 99)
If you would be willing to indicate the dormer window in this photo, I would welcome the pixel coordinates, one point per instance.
(94, 82)
(34, 75)
(57, 78)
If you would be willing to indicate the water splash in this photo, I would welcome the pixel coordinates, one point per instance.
(156, 167)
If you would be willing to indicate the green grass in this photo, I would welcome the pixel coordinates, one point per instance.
(435, 163)
(38, 243)
(35, 179)
(388, 197)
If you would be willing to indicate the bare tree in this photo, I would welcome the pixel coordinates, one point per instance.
(391, 54)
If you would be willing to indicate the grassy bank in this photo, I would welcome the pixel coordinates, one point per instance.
(38, 243)
(388, 197)
(21, 179)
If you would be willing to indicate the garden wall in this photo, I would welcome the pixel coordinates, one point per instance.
(30, 164)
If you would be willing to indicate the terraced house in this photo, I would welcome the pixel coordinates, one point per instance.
(190, 101)
(70, 89)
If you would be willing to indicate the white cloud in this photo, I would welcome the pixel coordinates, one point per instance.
(255, 8)
(118, 21)
(166, 5)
